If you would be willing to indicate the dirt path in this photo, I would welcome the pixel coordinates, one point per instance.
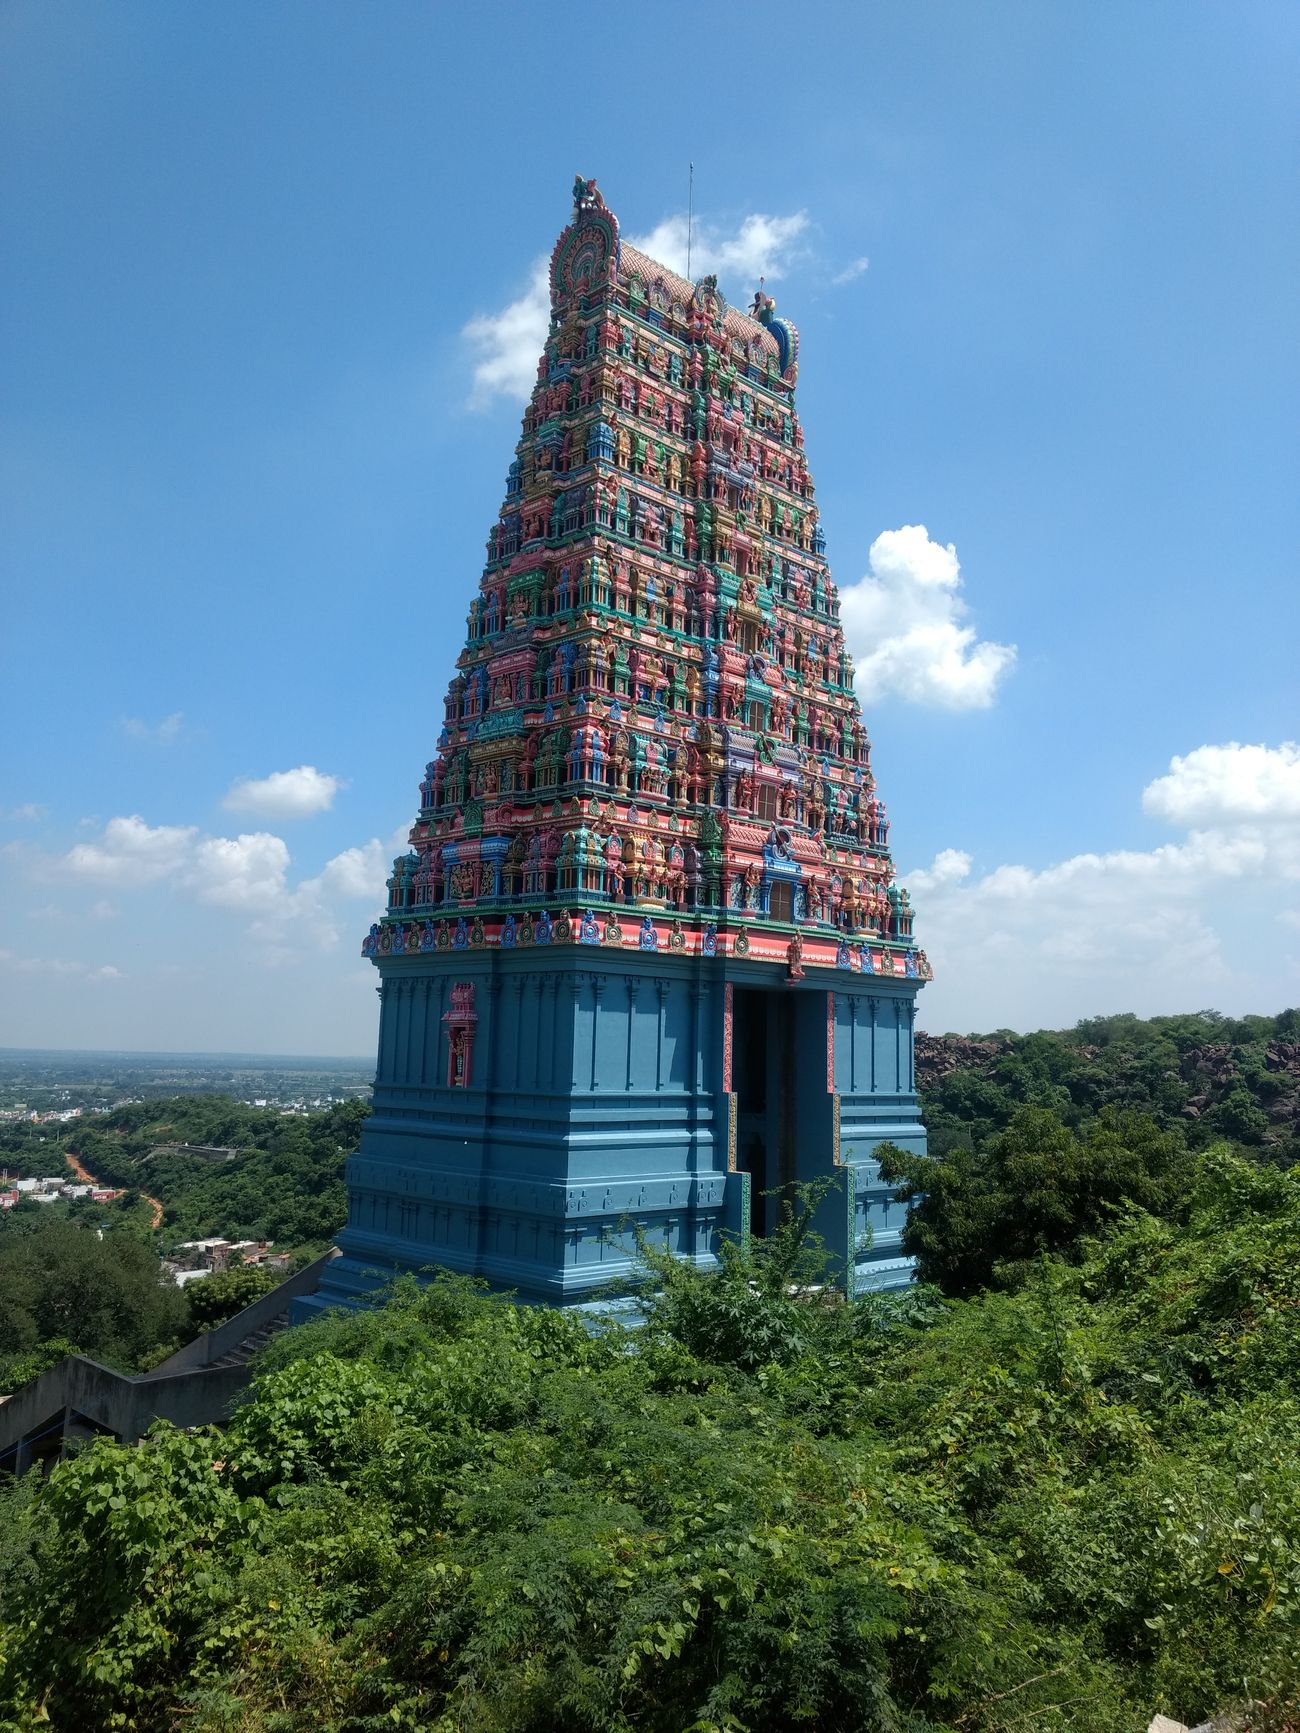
(84, 1174)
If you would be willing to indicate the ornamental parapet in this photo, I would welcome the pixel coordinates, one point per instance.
(670, 935)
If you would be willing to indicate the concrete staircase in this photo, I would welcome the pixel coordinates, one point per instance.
(243, 1352)
(195, 1386)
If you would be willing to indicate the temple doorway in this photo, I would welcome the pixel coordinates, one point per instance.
(764, 1080)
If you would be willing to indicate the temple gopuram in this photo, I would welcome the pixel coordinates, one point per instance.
(646, 959)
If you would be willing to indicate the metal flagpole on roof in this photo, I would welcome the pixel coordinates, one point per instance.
(690, 218)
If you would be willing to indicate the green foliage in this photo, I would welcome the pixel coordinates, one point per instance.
(20, 1367)
(1207, 1075)
(62, 1283)
(30, 1150)
(1060, 1501)
(1058, 1506)
(215, 1298)
(285, 1182)
(760, 1306)
(979, 1214)
(81, 1277)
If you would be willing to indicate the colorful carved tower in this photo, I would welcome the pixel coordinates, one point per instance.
(646, 958)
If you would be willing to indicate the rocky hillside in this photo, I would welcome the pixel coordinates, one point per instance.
(1218, 1077)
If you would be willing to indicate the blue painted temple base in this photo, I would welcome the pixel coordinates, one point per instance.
(609, 1086)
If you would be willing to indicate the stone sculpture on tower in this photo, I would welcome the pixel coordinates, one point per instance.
(646, 959)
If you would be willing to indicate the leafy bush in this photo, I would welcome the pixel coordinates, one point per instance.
(978, 1215)
(1058, 1505)
(60, 1282)
(215, 1298)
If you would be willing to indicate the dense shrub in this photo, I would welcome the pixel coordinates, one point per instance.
(979, 1214)
(62, 1282)
(213, 1299)
(1061, 1505)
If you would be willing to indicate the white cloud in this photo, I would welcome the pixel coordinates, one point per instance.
(949, 867)
(285, 793)
(307, 917)
(904, 624)
(762, 246)
(1184, 924)
(28, 813)
(240, 872)
(158, 733)
(248, 874)
(855, 268)
(131, 852)
(1214, 784)
(357, 872)
(233, 871)
(58, 966)
(506, 345)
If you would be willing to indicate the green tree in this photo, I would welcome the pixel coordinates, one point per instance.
(1038, 1187)
(216, 1298)
(109, 1295)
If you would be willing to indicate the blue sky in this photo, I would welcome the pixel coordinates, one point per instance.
(268, 301)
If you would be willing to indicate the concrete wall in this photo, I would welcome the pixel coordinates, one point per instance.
(208, 1348)
(79, 1394)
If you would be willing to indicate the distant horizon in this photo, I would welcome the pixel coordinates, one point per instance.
(224, 1056)
(215, 1055)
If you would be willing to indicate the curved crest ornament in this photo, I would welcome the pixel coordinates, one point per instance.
(526, 931)
(741, 946)
(676, 937)
(843, 955)
(477, 936)
(613, 931)
(648, 938)
(509, 932)
(545, 929)
(589, 931)
(580, 264)
(709, 943)
(443, 940)
(460, 938)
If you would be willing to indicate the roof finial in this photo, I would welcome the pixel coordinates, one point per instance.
(690, 219)
(586, 196)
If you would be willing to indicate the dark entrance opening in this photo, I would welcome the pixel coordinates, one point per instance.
(763, 1077)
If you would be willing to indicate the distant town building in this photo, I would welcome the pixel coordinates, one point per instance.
(51, 1189)
(194, 1258)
